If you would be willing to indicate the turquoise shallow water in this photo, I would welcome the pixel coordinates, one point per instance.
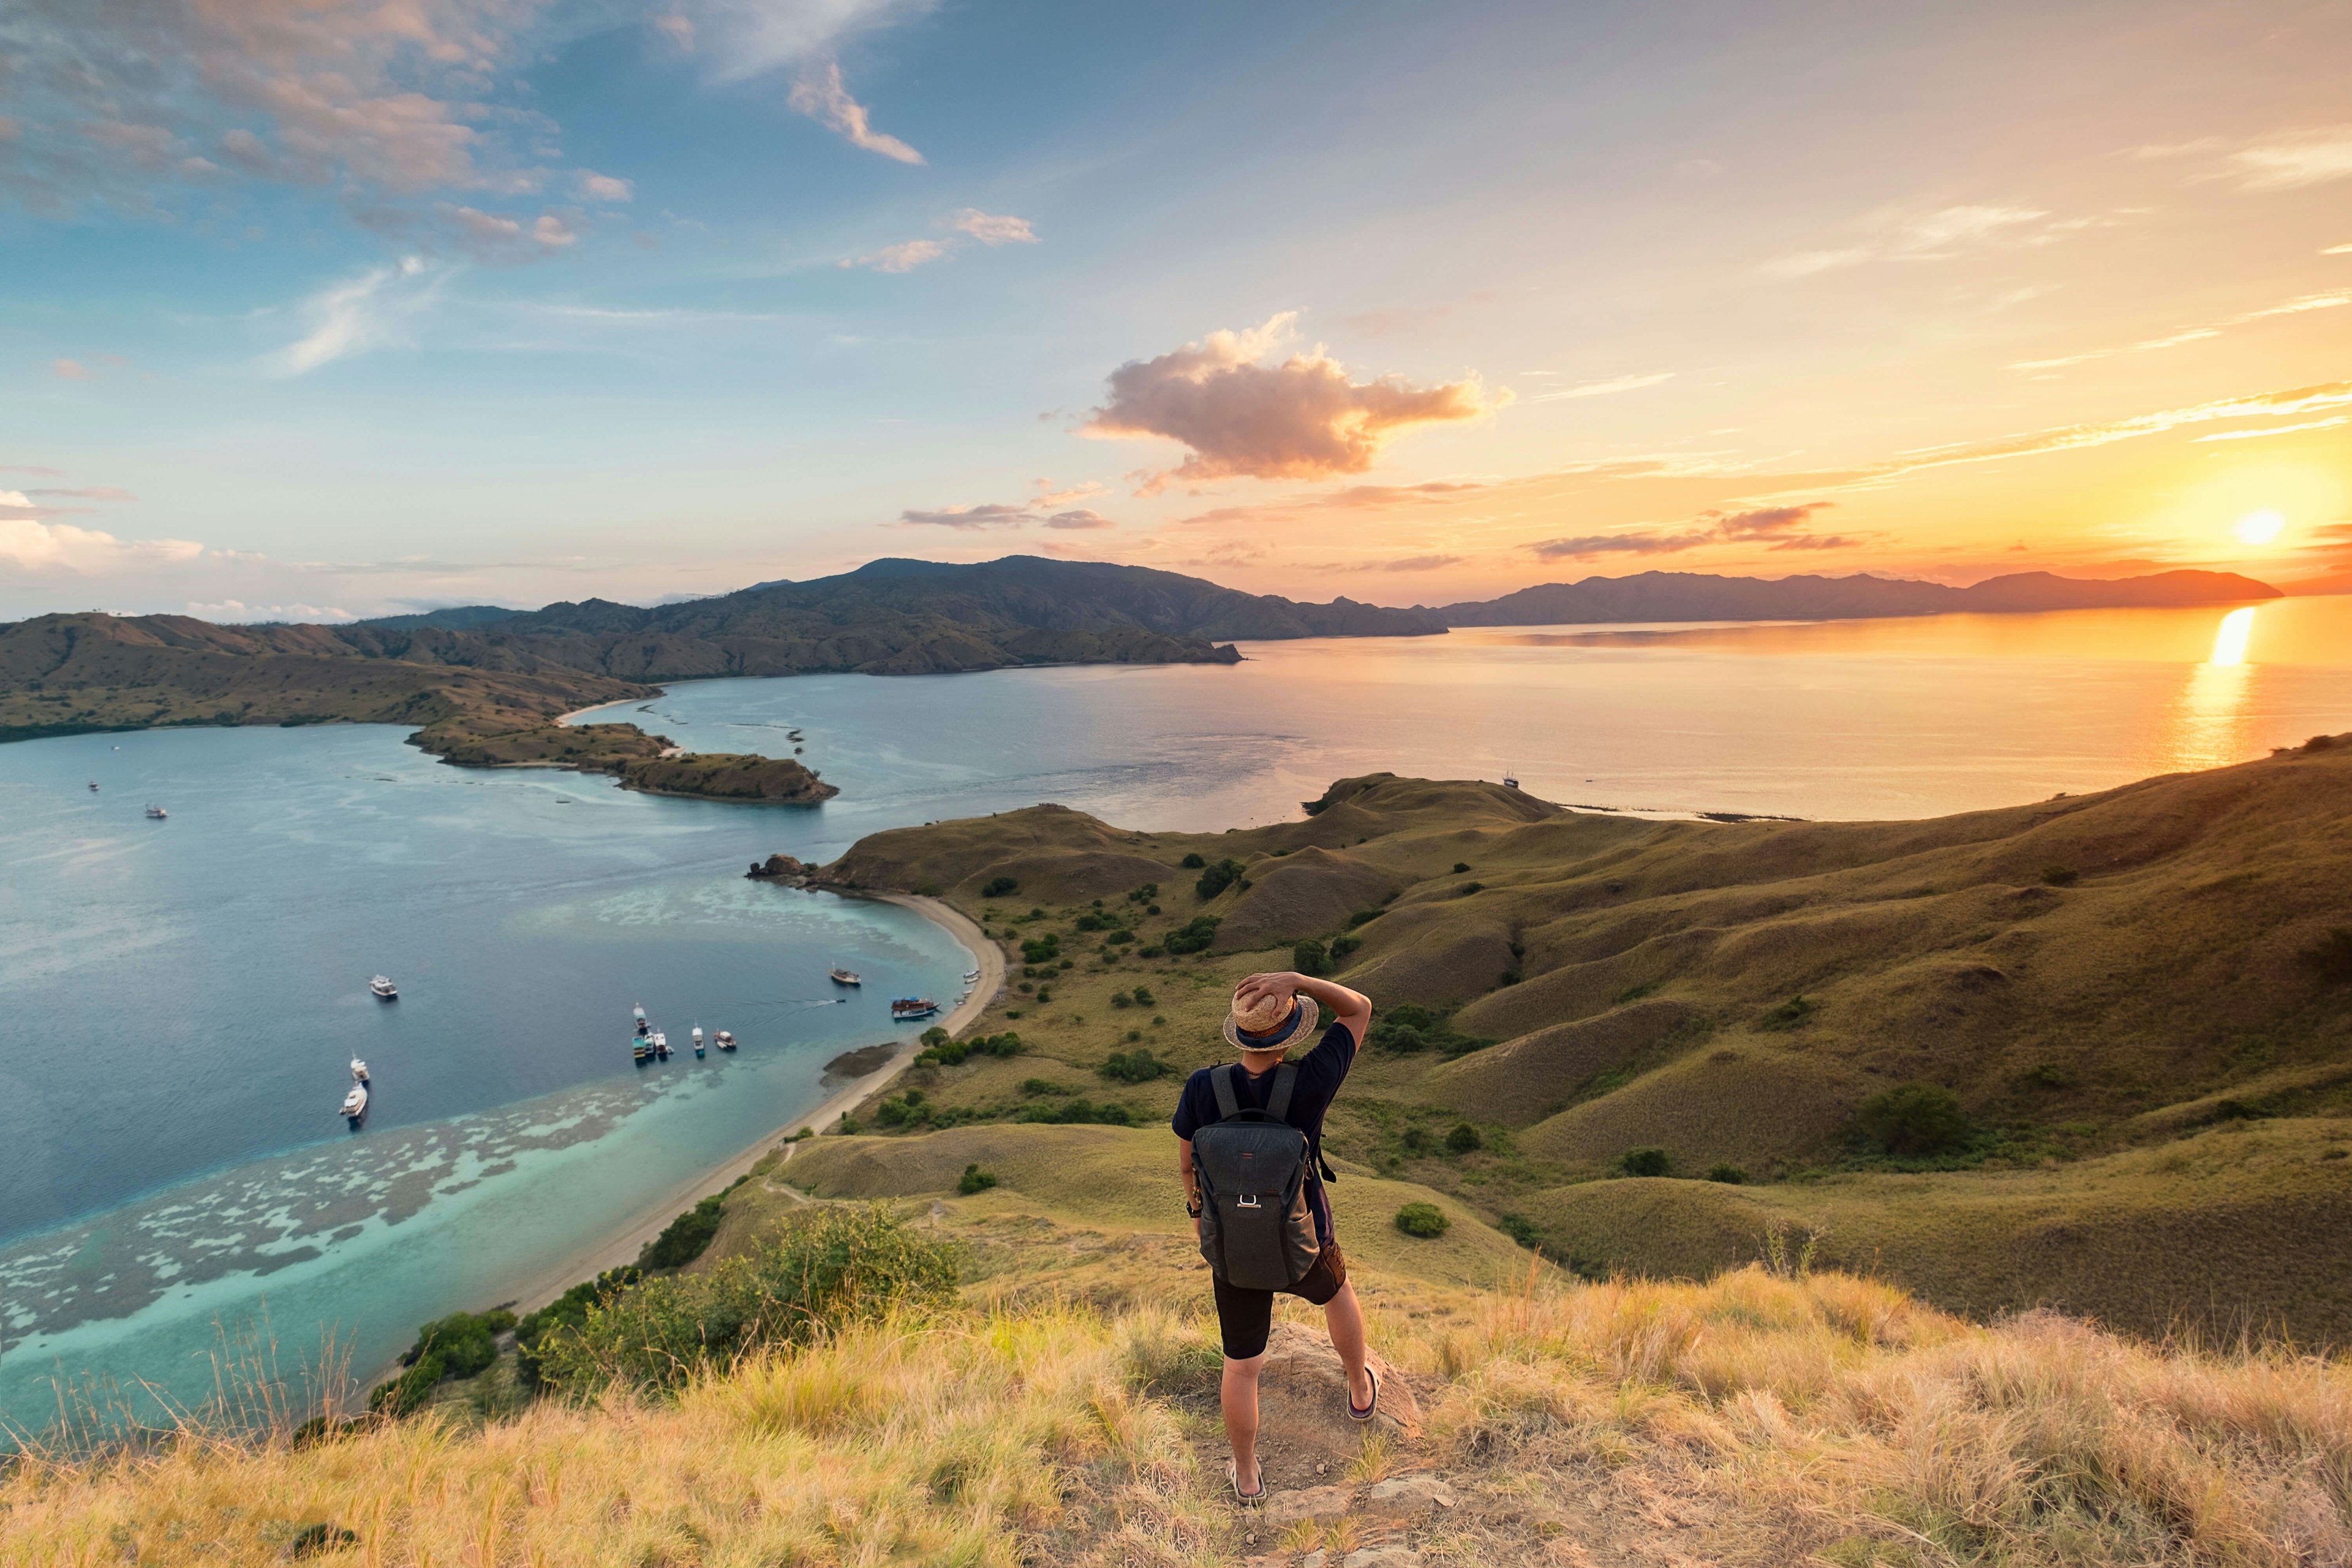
(182, 996)
(185, 994)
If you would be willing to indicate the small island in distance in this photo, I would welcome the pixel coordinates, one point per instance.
(487, 687)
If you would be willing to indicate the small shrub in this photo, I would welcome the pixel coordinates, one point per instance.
(1216, 879)
(1645, 1162)
(1634, 992)
(1469, 888)
(1464, 1138)
(1510, 977)
(1729, 1175)
(1341, 946)
(1194, 862)
(934, 1035)
(409, 1391)
(998, 886)
(1788, 1014)
(1076, 1113)
(1364, 917)
(1037, 1086)
(1519, 1229)
(1424, 1220)
(1122, 999)
(2046, 1075)
(2332, 958)
(1134, 1066)
(1460, 868)
(840, 1266)
(2061, 875)
(974, 1180)
(929, 890)
(1914, 1119)
(1416, 1140)
(1144, 999)
(1194, 936)
(1309, 957)
(1145, 894)
(686, 1238)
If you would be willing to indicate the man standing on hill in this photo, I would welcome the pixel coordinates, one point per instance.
(1251, 1153)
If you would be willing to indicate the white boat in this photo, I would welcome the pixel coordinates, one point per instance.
(157, 813)
(725, 1041)
(661, 1044)
(359, 1071)
(355, 1103)
(844, 977)
(383, 986)
(698, 1042)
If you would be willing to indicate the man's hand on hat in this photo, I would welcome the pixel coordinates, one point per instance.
(1281, 986)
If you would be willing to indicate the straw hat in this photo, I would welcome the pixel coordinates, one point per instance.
(1270, 1022)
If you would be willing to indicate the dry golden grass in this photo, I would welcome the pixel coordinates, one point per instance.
(1756, 1419)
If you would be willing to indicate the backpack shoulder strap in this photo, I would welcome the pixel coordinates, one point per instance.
(1228, 1106)
(1286, 1078)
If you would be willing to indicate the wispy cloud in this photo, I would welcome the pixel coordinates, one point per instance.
(35, 548)
(2334, 299)
(901, 257)
(820, 94)
(2072, 437)
(1938, 235)
(1607, 388)
(1079, 518)
(349, 318)
(71, 370)
(1303, 418)
(997, 514)
(236, 612)
(1776, 528)
(992, 229)
(2278, 429)
(596, 187)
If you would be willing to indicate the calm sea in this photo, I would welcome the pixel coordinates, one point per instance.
(183, 994)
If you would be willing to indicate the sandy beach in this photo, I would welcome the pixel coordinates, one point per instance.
(624, 1244)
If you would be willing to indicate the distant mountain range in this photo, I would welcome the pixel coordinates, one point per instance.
(1695, 597)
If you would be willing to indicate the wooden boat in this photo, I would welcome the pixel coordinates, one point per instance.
(725, 1040)
(912, 1008)
(844, 977)
(641, 1050)
(359, 1071)
(355, 1104)
(383, 986)
(156, 814)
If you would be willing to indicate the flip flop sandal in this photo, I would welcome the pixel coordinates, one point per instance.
(1369, 1411)
(1248, 1500)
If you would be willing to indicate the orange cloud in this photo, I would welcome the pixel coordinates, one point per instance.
(1302, 418)
(820, 95)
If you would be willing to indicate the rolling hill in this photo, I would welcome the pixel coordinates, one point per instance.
(1699, 596)
(2093, 1053)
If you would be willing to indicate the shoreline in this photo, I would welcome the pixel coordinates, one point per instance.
(622, 1247)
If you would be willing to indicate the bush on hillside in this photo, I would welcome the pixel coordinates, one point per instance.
(1341, 946)
(1788, 1015)
(840, 1266)
(1914, 1119)
(951, 1053)
(1134, 1066)
(1519, 1229)
(2061, 875)
(686, 1237)
(998, 887)
(1645, 1163)
(974, 1180)
(1364, 917)
(1194, 936)
(1409, 1027)
(1194, 862)
(1143, 894)
(1080, 1111)
(1309, 957)
(1731, 1175)
(461, 1345)
(1460, 866)
(1464, 1138)
(1216, 879)
(2332, 958)
(1424, 1220)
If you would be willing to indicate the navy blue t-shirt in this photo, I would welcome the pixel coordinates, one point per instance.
(1321, 1072)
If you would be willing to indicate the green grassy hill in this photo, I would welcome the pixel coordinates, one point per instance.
(2093, 1053)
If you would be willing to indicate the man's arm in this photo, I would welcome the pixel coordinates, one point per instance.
(1353, 1008)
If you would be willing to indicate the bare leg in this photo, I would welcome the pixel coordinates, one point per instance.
(1238, 1395)
(1344, 1316)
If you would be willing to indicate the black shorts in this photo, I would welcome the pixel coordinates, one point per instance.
(1245, 1318)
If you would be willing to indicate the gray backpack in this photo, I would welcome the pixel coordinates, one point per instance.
(1254, 1167)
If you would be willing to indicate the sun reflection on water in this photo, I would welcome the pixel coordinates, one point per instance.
(2213, 724)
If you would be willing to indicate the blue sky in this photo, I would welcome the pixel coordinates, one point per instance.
(346, 306)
